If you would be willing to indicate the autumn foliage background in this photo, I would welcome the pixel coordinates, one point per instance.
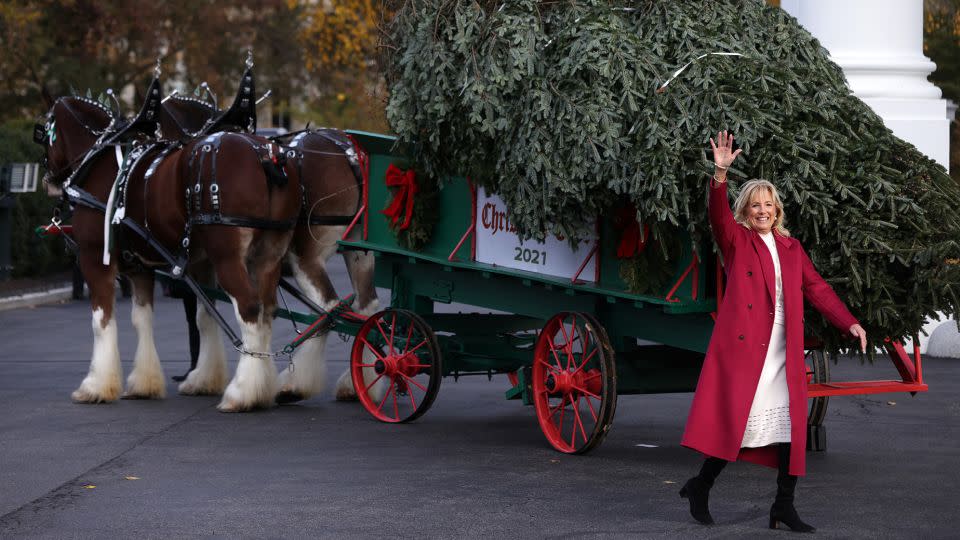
(317, 57)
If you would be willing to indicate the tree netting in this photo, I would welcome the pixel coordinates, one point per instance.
(554, 106)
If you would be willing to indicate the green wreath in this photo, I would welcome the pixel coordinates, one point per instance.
(650, 270)
(415, 232)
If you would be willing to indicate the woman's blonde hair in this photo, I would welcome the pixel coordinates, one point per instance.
(742, 204)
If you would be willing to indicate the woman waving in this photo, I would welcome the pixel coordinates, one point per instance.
(751, 399)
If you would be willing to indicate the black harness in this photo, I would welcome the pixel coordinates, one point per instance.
(206, 152)
(295, 151)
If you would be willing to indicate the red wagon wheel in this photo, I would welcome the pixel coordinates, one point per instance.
(398, 349)
(574, 382)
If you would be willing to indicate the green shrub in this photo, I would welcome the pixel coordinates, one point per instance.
(31, 256)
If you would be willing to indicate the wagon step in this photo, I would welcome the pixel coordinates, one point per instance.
(863, 387)
(911, 373)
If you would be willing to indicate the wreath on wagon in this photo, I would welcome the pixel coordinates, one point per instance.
(414, 210)
(645, 261)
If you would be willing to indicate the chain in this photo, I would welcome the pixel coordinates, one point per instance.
(286, 351)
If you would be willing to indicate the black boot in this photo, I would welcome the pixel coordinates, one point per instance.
(697, 489)
(782, 510)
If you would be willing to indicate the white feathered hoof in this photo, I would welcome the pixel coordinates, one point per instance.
(235, 401)
(290, 391)
(345, 391)
(199, 384)
(287, 396)
(250, 389)
(145, 387)
(91, 391)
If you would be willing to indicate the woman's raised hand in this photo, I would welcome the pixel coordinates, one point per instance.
(723, 154)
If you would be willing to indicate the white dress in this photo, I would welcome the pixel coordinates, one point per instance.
(769, 420)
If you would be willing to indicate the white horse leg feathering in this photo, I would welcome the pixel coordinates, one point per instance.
(102, 382)
(255, 382)
(210, 375)
(146, 380)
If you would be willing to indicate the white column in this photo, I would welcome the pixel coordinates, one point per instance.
(879, 45)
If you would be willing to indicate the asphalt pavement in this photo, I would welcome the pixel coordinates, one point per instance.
(475, 466)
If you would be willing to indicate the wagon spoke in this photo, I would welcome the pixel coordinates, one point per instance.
(393, 329)
(421, 366)
(369, 386)
(385, 396)
(574, 334)
(587, 392)
(367, 365)
(566, 339)
(592, 411)
(563, 407)
(547, 365)
(371, 347)
(383, 334)
(553, 410)
(413, 403)
(406, 347)
(553, 350)
(413, 350)
(583, 432)
(396, 407)
(592, 376)
(413, 382)
(573, 427)
(585, 360)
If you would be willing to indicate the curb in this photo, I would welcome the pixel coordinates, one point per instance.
(31, 299)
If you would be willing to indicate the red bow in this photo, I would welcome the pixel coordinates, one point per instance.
(631, 242)
(402, 202)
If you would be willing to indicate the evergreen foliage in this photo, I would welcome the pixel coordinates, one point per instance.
(553, 105)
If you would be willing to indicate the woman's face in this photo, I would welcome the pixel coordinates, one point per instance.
(762, 211)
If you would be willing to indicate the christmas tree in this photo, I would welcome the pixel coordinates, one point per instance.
(561, 108)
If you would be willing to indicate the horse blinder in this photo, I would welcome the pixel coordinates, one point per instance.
(40, 134)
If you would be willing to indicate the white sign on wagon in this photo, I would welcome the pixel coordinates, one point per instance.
(498, 243)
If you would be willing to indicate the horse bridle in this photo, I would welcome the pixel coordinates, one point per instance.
(44, 134)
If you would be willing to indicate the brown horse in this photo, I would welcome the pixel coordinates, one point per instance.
(173, 194)
(326, 162)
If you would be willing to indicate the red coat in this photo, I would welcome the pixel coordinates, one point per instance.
(735, 356)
